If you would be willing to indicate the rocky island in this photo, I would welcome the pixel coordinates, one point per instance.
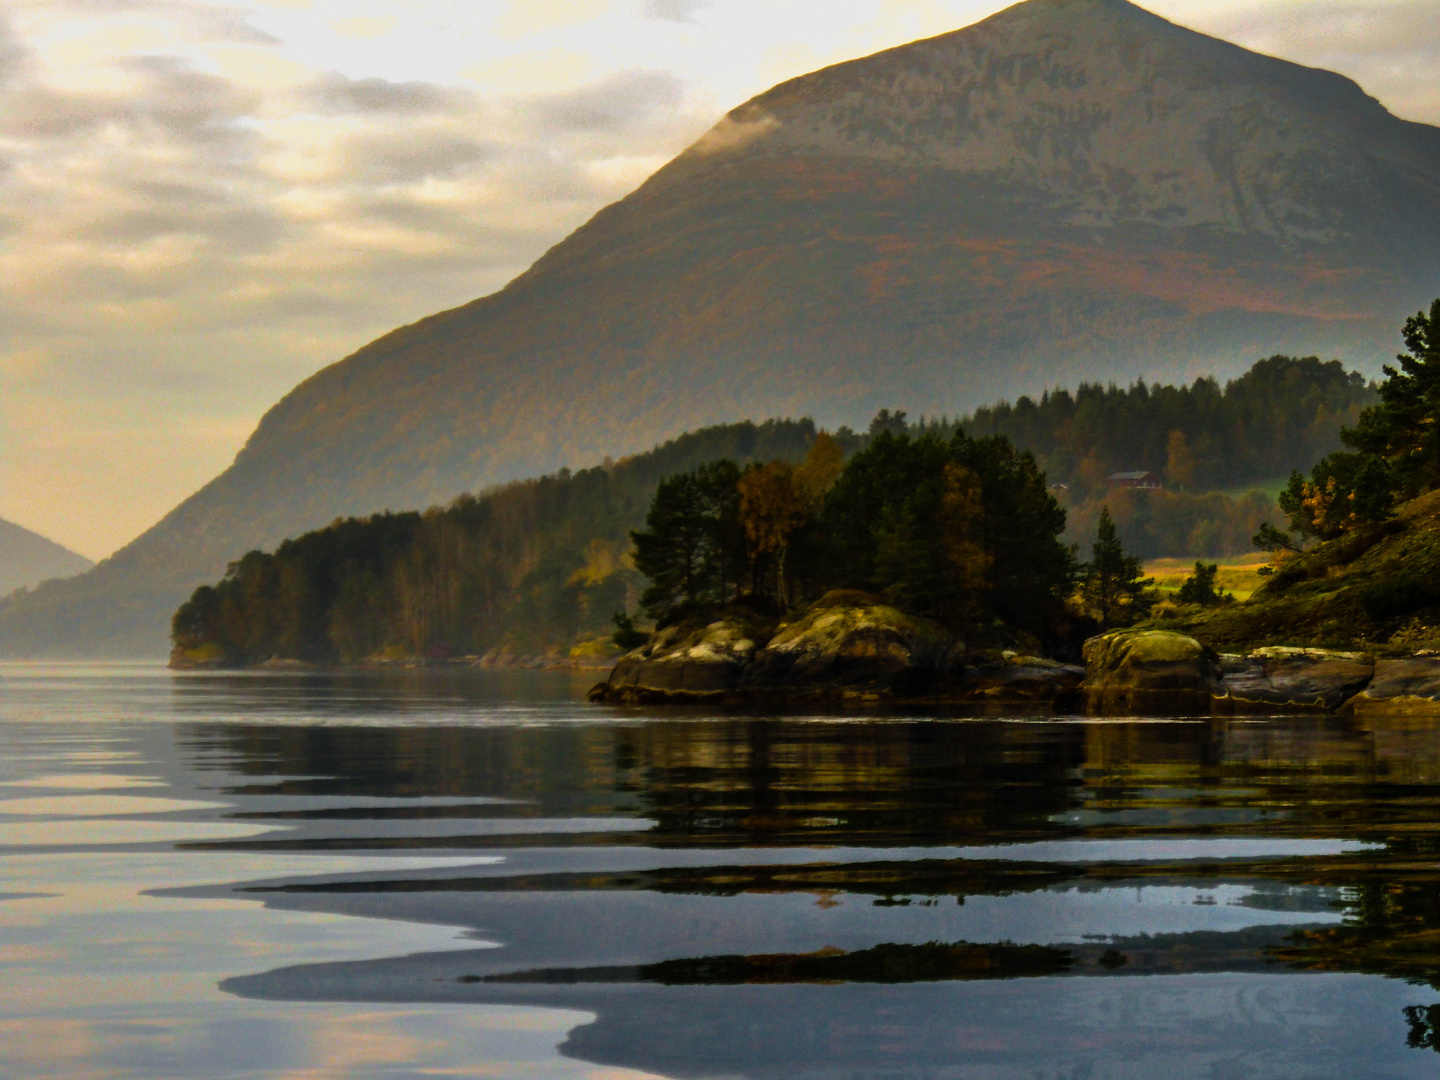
(852, 650)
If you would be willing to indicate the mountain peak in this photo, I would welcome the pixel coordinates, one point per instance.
(1097, 110)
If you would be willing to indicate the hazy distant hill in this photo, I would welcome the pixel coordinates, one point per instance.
(1070, 189)
(27, 558)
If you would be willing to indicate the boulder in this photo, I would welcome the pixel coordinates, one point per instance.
(1290, 680)
(1015, 679)
(684, 661)
(1135, 672)
(1409, 687)
(852, 640)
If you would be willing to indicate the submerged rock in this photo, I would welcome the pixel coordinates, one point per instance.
(1409, 687)
(1130, 672)
(1291, 680)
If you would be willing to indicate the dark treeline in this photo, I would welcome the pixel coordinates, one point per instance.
(1281, 415)
(528, 567)
(542, 565)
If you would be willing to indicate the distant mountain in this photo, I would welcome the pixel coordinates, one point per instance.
(27, 558)
(1069, 189)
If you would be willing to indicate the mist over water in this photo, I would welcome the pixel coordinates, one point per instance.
(478, 874)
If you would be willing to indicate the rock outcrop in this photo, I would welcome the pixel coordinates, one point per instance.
(849, 646)
(1280, 679)
(1406, 687)
(1136, 672)
(1013, 679)
(853, 648)
(685, 662)
(849, 640)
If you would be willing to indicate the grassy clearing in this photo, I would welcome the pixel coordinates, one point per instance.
(1271, 487)
(1239, 574)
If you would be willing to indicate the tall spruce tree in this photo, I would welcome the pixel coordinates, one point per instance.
(671, 549)
(1111, 584)
(693, 547)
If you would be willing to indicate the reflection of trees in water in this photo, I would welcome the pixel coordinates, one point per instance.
(1423, 1020)
(779, 781)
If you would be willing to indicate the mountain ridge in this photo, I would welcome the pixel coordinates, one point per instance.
(932, 227)
(27, 559)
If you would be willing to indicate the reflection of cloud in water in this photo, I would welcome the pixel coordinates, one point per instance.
(106, 833)
(85, 782)
(95, 806)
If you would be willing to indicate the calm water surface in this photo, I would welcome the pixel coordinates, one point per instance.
(478, 875)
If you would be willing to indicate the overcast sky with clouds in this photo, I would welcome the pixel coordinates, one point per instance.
(203, 203)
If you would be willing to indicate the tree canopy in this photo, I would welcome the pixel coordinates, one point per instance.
(1393, 450)
(961, 529)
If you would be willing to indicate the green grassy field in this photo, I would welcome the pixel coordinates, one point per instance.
(1271, 487)
(1238, 575)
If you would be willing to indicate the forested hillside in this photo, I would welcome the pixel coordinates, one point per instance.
(539, 567)
(533, 567)
(1280, 415)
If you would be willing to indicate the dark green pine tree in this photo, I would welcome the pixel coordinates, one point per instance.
(1200, 588)
(693, 548)
(1111, 585)
(671, 549)
(1404, 428)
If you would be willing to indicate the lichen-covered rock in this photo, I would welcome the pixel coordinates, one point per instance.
(1409, 687)
(1290, 680)
(1135, 672)
(1014, 679)
(684, 661)
(205, 656)
(849, 639)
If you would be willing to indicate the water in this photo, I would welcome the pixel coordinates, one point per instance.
(478, 875)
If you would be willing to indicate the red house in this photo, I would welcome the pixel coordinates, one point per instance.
(1147, 481)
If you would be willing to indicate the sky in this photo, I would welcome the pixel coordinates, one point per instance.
(204, 203)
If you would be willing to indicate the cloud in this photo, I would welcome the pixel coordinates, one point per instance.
(337, 94)
(194, 21)
(162, 91)
(674, 10)
(13, 54)
(1391, 49)
(403, 156)
(621, 102)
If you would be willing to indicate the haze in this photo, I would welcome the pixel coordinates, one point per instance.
(203, 204)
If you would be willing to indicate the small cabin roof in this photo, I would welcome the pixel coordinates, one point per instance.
(1144, 475)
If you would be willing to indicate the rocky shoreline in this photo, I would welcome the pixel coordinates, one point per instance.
(850, 649)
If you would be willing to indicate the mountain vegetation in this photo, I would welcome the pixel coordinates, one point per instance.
(1071, 189)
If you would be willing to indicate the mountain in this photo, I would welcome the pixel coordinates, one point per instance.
(27, 558)
(1069, 189)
